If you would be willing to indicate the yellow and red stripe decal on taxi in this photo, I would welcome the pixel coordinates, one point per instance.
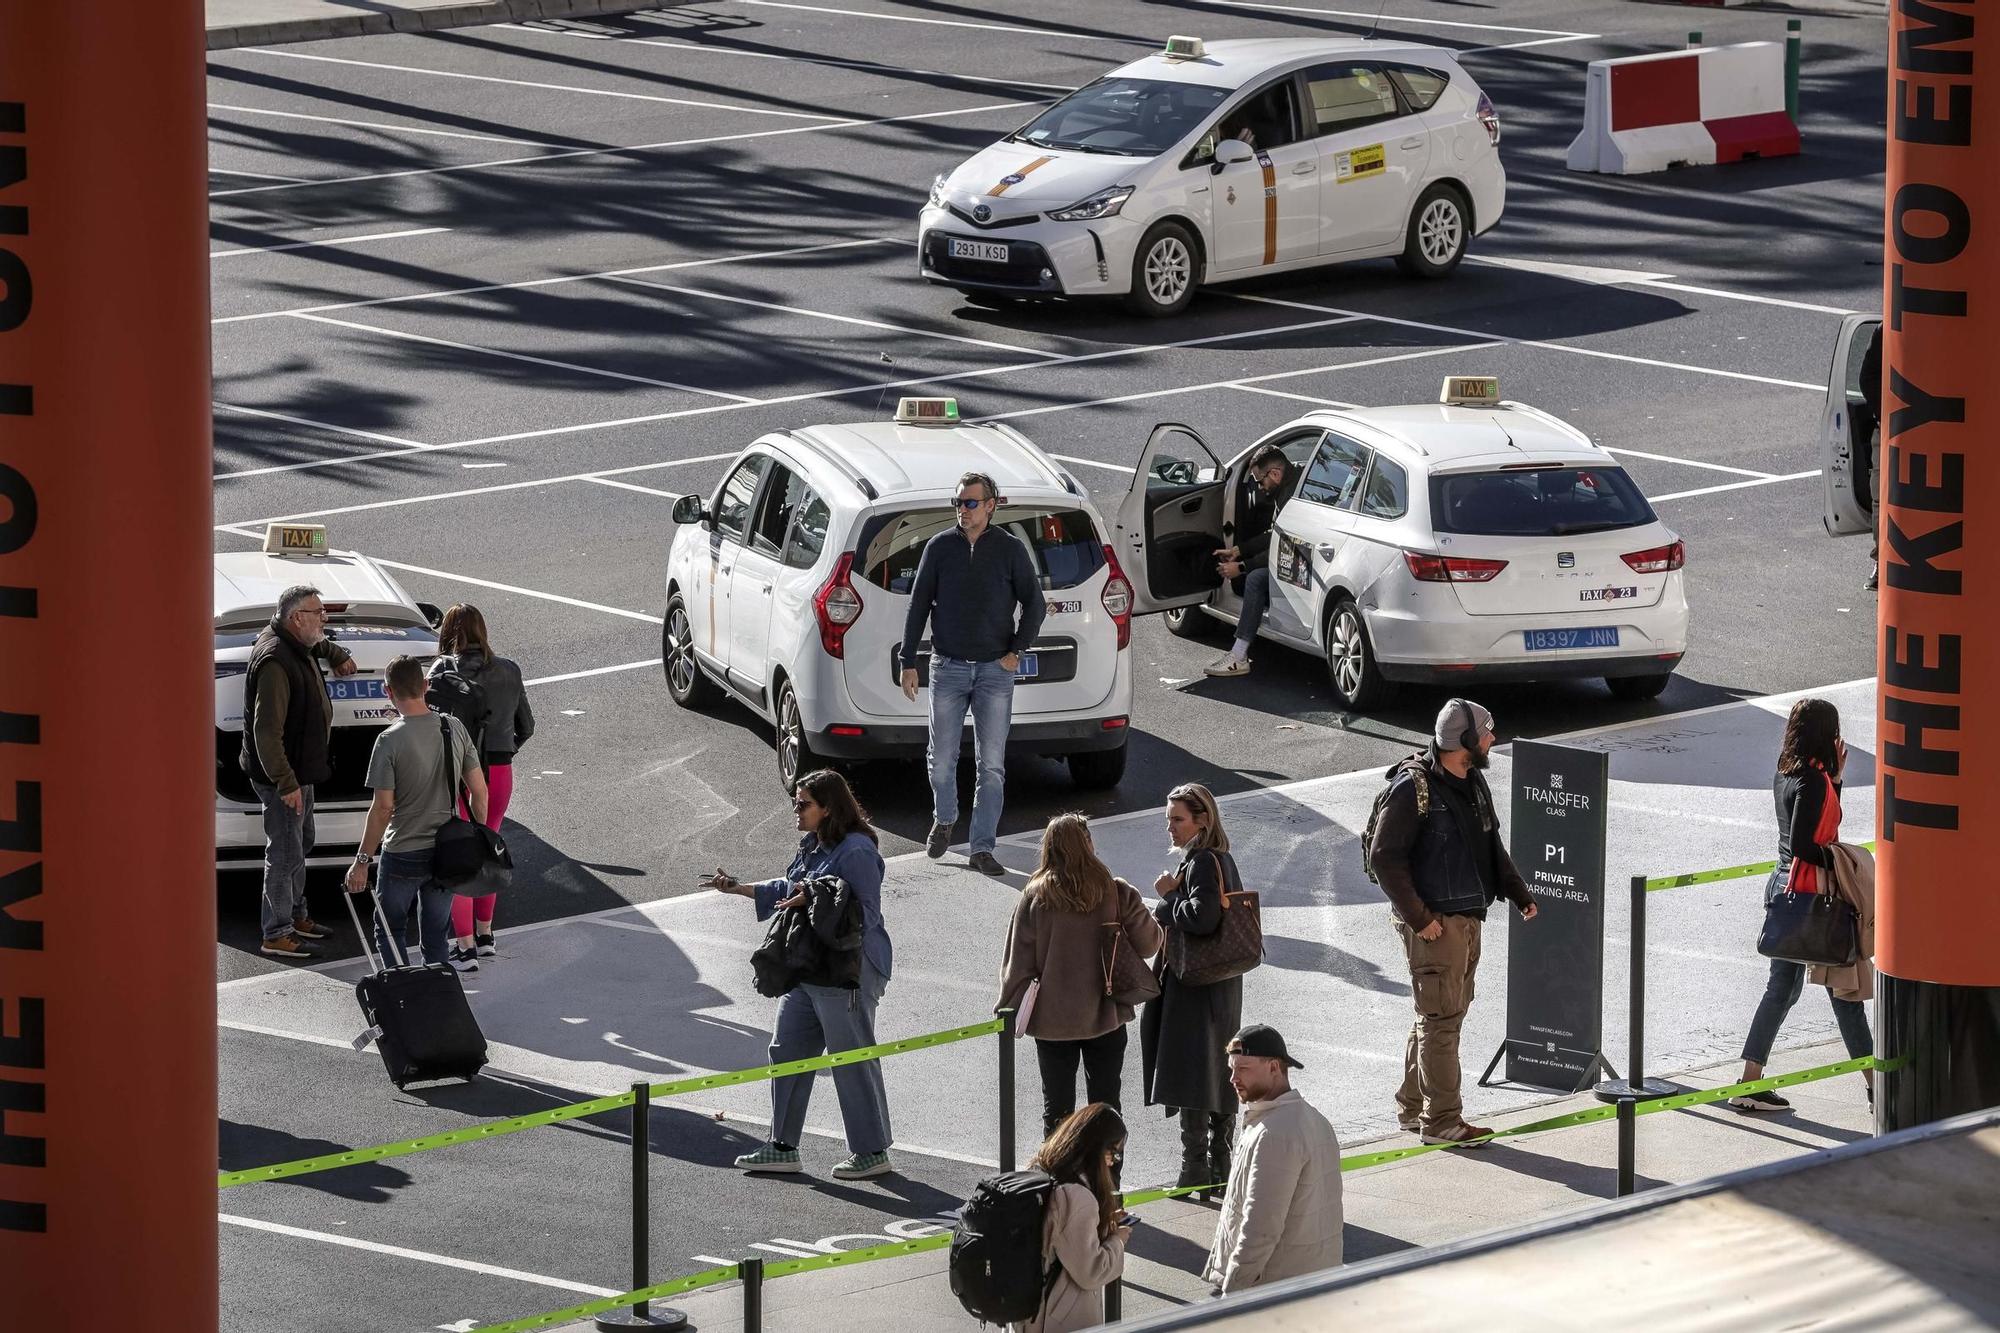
(1014, 178)
(1270, 207)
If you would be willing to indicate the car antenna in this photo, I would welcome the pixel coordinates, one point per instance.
(1383, 4)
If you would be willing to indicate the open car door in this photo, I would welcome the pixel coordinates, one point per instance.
(1170, 522)
(1847, 433)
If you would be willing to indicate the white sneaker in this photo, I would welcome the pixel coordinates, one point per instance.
(1231, 665)
(464, 960)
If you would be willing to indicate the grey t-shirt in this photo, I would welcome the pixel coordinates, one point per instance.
(408, 760)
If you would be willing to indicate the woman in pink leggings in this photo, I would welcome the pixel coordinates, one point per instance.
(504, 727)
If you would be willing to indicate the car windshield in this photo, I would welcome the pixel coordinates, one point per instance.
(1538, 502)
(1065, 544)
(1129, 117)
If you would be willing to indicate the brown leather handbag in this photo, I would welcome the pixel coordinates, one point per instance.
(1127, 977)
(1237, 944)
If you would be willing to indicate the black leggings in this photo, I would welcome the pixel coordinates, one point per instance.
(1103, 1061)
(1781, 992)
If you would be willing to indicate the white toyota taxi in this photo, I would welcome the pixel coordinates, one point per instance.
(787, 589)
(370, 615)
(1209, 162)
(1472, 539)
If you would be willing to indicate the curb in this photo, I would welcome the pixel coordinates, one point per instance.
(431, 19)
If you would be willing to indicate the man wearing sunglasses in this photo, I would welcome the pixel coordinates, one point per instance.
(977, 588)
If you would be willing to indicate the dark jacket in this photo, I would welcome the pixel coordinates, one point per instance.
(1450, 860)
(817, 943)
(508, 722)
(1800, 799)
(287, 716)
(1182, 1034)
(1253, 526)
(856, 860)
(968, 591)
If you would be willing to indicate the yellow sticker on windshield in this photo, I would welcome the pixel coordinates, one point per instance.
(1358, 164)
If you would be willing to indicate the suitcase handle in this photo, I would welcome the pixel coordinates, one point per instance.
(403, 960)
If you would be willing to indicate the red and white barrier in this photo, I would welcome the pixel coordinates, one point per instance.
(1685, 108)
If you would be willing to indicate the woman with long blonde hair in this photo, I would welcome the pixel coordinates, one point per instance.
(1066, 930)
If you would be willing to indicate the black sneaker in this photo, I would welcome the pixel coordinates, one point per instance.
(483, 946)
(939, 839)
(1760, 1101)
(464, 960)
(986, 864)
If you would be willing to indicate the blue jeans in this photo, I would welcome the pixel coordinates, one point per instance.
(288, 841)
(1256, 601)
(404, 882)
(987, 689)
(813, 1020)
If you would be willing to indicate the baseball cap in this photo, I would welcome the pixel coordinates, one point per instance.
(1263, 1042)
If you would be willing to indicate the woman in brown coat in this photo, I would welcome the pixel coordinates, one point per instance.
(1072, 915)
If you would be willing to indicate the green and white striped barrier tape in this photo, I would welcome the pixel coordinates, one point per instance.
(597, 1106)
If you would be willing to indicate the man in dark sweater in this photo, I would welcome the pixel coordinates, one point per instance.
(1440, 858)
(970, 583)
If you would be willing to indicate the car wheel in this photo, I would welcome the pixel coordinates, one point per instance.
(1350, 660)
(1638, 687)
(686, 682)
(1440, 229)
(1096, 770)
(795, 752)
(1164, 272)
(1190, 622)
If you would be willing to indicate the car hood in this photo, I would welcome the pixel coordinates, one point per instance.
(1011, 172)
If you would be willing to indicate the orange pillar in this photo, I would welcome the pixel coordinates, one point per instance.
(1938, 935)
(107, 916)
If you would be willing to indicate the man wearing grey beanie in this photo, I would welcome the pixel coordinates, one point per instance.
(1434, 845)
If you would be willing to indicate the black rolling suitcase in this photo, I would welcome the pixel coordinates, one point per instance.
(417, 1016)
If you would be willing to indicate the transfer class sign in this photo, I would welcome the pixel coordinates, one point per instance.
(1555, 964)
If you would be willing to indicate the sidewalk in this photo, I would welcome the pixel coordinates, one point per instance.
(257, 22)
(1425, 1201)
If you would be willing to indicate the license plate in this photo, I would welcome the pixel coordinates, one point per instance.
(991, 252)
(359, 688)
(1030, 667)
(1551, 640)
(1064, 608)
(1607, 594)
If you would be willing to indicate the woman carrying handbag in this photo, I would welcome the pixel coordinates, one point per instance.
(1183, 1033)
(1079, 944)
(1807, 793)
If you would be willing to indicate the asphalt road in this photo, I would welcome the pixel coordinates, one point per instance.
(571, 249)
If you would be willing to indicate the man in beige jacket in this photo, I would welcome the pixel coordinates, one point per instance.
(1282, 1214)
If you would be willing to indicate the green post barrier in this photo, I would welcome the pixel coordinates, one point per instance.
(1694, 40)
(1793, 40)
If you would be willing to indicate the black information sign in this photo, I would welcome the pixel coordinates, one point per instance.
(1555, 963)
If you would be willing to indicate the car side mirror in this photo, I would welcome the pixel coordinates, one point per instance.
(432, 612)
(1231, 151)
(688, 509)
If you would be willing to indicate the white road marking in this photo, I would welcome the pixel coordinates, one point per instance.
(323, 425)
(594, 671)
(338, 240)
(235, 1026)
(420, 1256)
(1732, 486)
(448, 292)
(1690, 462)
(1522, 46)
(825, 314)
(1092, 462)
(374, 125)
(259, 176)
(1296, 397)
(548, 87)
(1752, 297)
(524, 592)
(536, 158)
(947, 23)
(1394, 20)
(628, 486)
(523, 356)
(1621, 277)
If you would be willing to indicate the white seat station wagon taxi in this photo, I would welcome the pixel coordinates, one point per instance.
(1473, 539)
(367, 613)
(1209, 162)
(788, 587)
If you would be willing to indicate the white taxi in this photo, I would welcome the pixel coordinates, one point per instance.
(367, 613)
(1210, 162)
(1471, 539)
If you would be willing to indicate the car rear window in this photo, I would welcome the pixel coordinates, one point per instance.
(1538, 502)
(1065, 544)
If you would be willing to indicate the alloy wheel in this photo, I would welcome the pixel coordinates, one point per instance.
(1440, 231)
(1348, 651)
(1168, 266)
(680, 653)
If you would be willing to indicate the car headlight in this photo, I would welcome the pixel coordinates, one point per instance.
(937, 191)
(1103, 204)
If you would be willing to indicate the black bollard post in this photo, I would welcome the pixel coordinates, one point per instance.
(642, 1315)
(1006, 1089)
(1628, 1145)
(752, 1273)
(1635, 1084)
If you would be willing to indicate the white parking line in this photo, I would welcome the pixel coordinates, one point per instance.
(420, 1256)
(1394, 20)
(524, 592)
(1092, 462)
(946, 23)
(259, 176)
(338, 240)
(1733, 486)
(825, 314)
(374, 125)
(445, 293)
(1690, 462)
(325, 425)
(1522, 46)
(628, 486)
(1296, 397)
(579, 675)
(730, 107)
(523, 356)
(1621, 277)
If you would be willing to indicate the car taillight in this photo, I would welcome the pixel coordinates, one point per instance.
(1658, 559)
(1451, 568)
(1490, 119)
(1118, 599)
(837, 606)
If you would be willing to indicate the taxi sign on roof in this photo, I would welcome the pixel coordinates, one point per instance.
(1185, 48)
(295, 539)
(1470, 391)
(927, 411)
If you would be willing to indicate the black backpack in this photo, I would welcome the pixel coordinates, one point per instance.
(1418, 767)
(455, 693)
(996, 1248)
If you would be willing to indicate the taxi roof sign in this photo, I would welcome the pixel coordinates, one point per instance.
(927, 411)
(1185, 48)
(1470, 391)
(295, 539)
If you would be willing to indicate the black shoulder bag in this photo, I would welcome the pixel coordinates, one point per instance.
(467, 858)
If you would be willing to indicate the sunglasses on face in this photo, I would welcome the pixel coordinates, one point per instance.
(964, 503)
(803, 804)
